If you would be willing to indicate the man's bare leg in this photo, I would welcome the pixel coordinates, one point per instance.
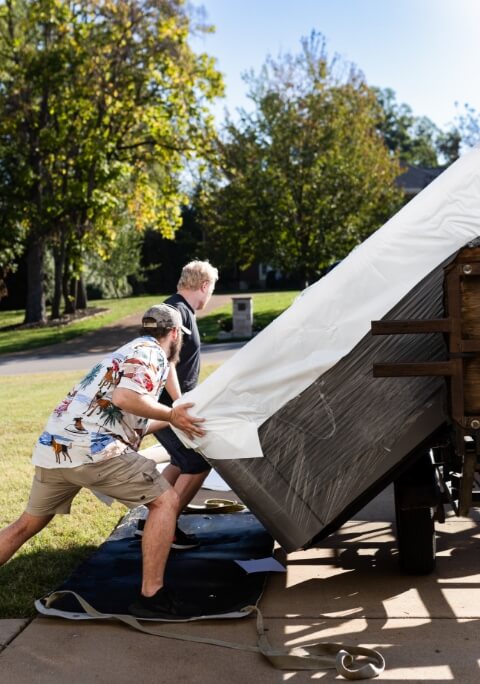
(20, 531)
(171, 473)
(187, 485)
(157, 538)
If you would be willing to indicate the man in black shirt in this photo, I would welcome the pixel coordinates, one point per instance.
(187, 469)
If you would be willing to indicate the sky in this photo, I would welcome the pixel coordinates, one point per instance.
(427, 51)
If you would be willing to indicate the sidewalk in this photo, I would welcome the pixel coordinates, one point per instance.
(350, 590)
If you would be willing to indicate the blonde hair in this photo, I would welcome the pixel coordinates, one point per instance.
(195, 273)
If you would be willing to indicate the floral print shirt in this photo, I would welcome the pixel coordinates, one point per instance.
(87, 427)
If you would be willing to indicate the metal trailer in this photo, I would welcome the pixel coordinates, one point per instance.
(443, 469)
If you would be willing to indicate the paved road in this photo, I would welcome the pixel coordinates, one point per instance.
(83, 352)
(47, 362)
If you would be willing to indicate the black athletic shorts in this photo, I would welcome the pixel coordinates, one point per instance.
(189, 461)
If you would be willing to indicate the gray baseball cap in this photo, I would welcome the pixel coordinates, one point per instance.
(163, 317)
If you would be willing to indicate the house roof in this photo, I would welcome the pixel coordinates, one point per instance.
(415, 178)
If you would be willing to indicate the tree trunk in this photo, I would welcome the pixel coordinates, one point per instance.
(82, 299)
(35, 311)
(59, 259)
(71, 298)
(3, 289)
(69, 292)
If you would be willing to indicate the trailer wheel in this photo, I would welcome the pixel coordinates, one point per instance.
(416, 540)
(415, 503)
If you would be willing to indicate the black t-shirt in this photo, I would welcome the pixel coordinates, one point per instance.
(188, 367)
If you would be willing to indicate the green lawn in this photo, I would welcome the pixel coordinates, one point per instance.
(45, 561)
(266, 307)
(14, 339)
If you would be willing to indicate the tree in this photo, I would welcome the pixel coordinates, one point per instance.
(108, 270)
(306, 175)
(11, 245)
(163, 259)
(415, 140)
(97, 98)
(468, 123)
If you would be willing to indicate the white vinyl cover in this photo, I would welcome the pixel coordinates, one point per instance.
(329, 318)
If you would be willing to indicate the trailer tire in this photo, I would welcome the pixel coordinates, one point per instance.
(416, 540)
(415, 505)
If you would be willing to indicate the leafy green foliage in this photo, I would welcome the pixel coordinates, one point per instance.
(306, 176)
(468, 123)
(101, 103)
(416, 140)
(107, 269)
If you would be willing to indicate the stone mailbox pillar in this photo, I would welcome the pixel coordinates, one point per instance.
(242, 316)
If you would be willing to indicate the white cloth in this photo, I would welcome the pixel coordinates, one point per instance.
(333, 315)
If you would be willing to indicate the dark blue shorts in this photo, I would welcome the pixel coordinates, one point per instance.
(189, 461)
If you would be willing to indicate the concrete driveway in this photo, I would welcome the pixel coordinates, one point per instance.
(349, 590)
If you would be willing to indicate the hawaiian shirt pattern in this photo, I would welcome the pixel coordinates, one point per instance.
(87, 427)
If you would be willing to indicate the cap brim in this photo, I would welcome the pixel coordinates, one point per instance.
(154, 326)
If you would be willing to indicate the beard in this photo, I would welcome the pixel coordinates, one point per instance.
(173, 354)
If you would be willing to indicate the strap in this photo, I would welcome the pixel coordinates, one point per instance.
(326, 655)
(216, 506)
(132, 621)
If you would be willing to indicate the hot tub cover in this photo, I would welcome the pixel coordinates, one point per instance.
(299, 399)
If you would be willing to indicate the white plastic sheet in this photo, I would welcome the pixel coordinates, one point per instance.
(333, 315)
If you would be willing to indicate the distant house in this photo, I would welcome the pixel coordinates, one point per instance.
(415, 178)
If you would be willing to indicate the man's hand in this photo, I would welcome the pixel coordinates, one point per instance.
(145, 406)
(181, 419)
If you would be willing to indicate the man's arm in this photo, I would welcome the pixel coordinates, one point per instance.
(145, 406)
(172, 385)
(156, 426)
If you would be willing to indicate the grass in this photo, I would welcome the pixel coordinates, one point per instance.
(46, 560)
(13, 339)
(266, 307)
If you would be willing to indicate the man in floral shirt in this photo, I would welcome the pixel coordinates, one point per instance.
(91, 440)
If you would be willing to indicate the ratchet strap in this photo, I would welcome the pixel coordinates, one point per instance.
(325, 655)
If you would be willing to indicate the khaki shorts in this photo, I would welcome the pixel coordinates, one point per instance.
(129, 478)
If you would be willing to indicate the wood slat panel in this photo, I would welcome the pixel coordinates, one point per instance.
(442, 325)
(403, 370)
